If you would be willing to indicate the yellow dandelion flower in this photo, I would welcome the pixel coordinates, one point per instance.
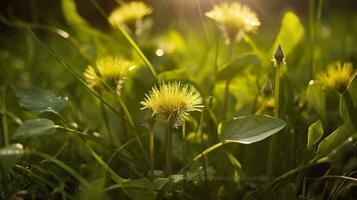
(129, 12)
(111, 70)
(337, 76)
(91, 77)
(234, 19)
(173, 101)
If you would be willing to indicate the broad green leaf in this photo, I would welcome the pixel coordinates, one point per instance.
(335, 145)
(348, 109)
(315, 133)
(245, 130)
(316, 99)
(39, 101)
(250, 129)
(291, 33)
(10, 155)
(34, 128)
(348, 104)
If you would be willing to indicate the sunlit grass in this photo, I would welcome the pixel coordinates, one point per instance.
(177, 100)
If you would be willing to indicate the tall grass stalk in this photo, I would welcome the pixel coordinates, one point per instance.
(5, 132)
(314, 26)
(80, 79)
(62, 165)
(112, 141)
(131, 42)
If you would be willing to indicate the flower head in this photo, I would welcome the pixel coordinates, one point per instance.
(111, 70)
(234, 19)
(129, 12)
(173, 101)
(337, 76)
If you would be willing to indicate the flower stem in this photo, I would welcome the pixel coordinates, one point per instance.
(184, 149)
(226, 90)
(276, 114)
(225, 101)
(169, 132)
(152, 151)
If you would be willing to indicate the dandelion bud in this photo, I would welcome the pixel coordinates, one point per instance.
(267, 89)
(279, 56)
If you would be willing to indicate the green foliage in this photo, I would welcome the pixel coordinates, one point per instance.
(35, 128)
(316, 99)
(81, 142)
(39, 101)
(315, 134)
(291, 33)
(343, 138)
(249, 129)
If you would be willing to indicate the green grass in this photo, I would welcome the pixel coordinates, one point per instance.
(62, 138)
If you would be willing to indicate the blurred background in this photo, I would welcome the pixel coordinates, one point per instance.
(168, 11)
(79, 33)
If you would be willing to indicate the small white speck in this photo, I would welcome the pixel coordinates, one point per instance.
(19, 146)
(159, 52)
(96, 134)
(63, 33)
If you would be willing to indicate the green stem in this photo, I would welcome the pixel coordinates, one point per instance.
(273, 141)
(225, 100)
(139, 52)
(87, 136)
(130, 40)
(115, 177)
(107, 126)
(34, 176)
(184, 151)
(65, 167)
(339, 177)
(203, 153)
(4, 130)
(228, 81)
(152, 152)
(277, 91)
(169, 132)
